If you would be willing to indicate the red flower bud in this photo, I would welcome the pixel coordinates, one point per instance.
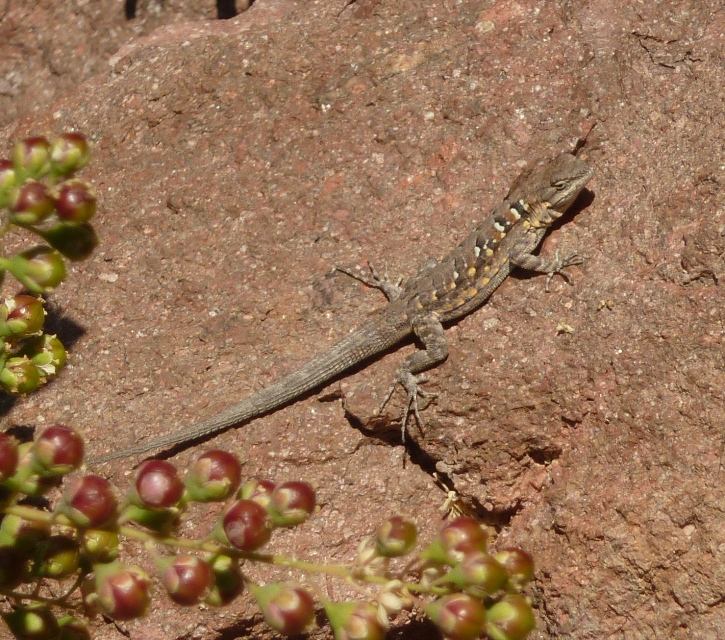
(247, 525)
(186, 578)
(158, 484)
(57, 451)
(396, 537)
(518, 563)
(458, 616)
(214, 476)
(288, 609)
(8, 456)
(123, 591)
(31, 203)
(24, 315)
(89, 501)
(291, 503)
(76, 201)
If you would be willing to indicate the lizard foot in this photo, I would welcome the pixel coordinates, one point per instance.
(391, 290)
(559, 264)
(411, 383)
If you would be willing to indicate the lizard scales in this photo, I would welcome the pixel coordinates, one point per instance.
(440, 292)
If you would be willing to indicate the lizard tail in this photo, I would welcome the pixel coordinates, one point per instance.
(368, 340)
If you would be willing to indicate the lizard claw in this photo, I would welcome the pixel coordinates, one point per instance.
(411, 383)
(559, 264)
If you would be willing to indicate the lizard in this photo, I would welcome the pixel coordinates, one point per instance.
(440, 292)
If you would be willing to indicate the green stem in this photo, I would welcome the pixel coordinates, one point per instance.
(341, 571)
(57, 602)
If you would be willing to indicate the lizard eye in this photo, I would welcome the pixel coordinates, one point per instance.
(560, 185)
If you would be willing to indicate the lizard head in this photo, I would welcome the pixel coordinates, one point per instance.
(562, 180)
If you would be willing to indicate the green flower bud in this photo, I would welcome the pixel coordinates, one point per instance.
(31, 157)
(69, 153)
(58, 557)
(35, 622)
(510, 619)
(100, 546)
(75, 241)
(71, 628)
(20, 376)
(354, 621)
(47, 353)
(40, 269)
(8, 181)
(27, 480)
(258, 490)
(228, 583)
(22, 534)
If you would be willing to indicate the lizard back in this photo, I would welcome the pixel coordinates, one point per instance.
(473, 270)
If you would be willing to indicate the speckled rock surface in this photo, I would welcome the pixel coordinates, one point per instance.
(238, 162)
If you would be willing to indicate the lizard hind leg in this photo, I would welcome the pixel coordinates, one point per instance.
(430, 331)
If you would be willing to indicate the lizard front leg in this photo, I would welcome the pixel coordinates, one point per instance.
(392, 290)
(430, 331)
(550, 266)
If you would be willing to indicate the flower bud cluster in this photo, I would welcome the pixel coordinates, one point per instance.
(79, 540)
(485, 588)
(28, 357)
(40, 193)
(475, 593)
(466, 591)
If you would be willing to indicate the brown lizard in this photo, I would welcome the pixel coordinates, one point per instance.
(440, 292)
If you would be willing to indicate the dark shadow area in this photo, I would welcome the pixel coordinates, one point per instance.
(225, 9)
(129, 8)
(69, 332)
(21, 432)
(422, 629)
(419, 629)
